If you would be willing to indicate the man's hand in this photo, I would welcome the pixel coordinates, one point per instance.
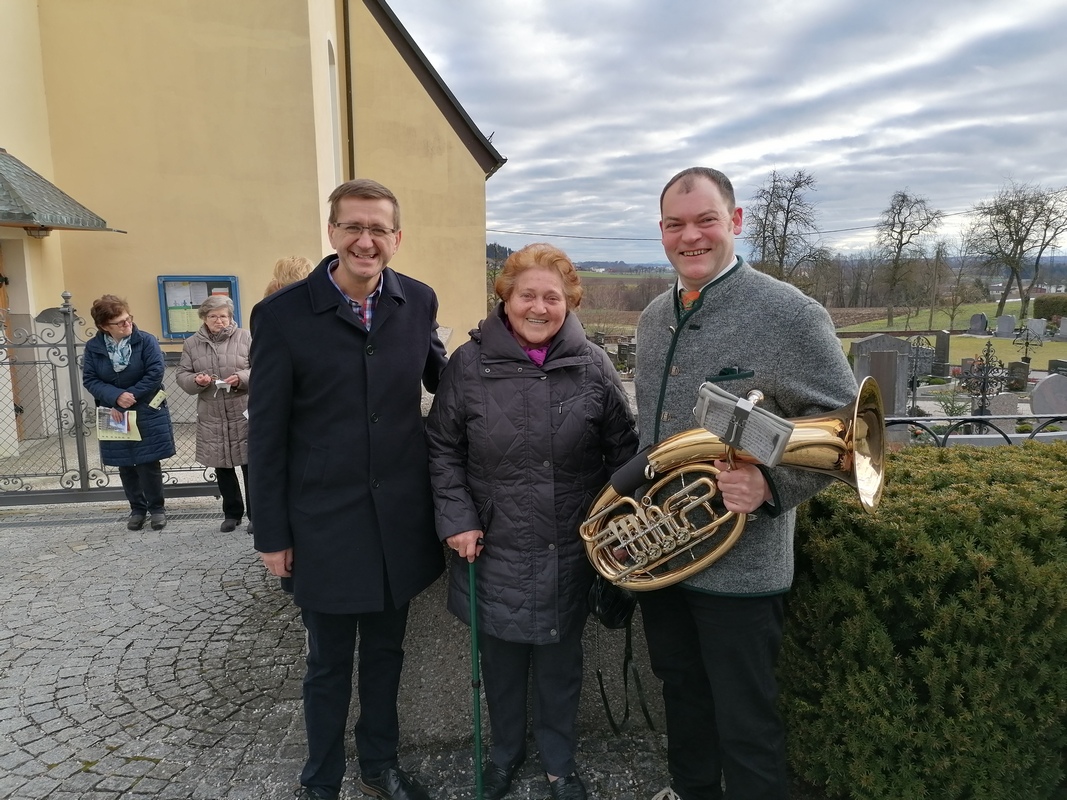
(279, 563)
(467, 545)
(743, 488)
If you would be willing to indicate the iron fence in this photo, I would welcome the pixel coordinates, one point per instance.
(48, 447)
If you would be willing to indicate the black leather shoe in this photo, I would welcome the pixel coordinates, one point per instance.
(307, 793)
(229, 525)
(159, 521)
(393, 784)
(569, 787)
(496, 781)
(135, 522)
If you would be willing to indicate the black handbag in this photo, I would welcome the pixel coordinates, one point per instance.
(612, 605)
(613, 608)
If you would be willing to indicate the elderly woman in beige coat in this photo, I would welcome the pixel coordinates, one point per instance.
(215, 367)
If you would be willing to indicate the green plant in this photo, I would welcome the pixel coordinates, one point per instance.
(953, 402)
(926, 646)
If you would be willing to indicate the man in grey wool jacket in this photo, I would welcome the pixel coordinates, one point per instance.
(713, 639)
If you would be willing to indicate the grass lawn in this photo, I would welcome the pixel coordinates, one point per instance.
(961, 347)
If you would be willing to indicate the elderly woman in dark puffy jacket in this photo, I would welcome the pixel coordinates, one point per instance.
(123, 370)
(529, 422)
(215, 367)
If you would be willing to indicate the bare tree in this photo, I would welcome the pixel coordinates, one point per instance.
(935, 274)
(1015, 230)
(900, 233)
(782, 222)
(962, 286)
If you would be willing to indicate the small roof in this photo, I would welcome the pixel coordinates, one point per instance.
(29, 201)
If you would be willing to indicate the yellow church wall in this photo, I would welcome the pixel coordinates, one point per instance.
(33, 267)
(212, 133)
(190, 126)
(440, 187)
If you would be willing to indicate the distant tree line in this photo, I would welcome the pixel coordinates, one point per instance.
(1009, 244)
(1009, 241)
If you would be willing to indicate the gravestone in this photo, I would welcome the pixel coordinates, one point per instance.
(941, 348)
(1018, 375)
(1061, 329)
(1037, 327)
(998, 406)
(890, 369)
(1057, 366)
(1049, 396)
(921, 361)
(979, 325)
(1005, 327)
(878, 343)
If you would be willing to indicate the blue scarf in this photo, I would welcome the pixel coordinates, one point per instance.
(119, 351)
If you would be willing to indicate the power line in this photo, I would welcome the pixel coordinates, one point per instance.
(656, 239)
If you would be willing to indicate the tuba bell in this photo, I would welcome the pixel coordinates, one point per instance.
(678, 525)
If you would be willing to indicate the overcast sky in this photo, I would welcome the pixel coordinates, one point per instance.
(596, 103)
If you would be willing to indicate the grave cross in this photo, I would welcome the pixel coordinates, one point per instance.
(986, 377)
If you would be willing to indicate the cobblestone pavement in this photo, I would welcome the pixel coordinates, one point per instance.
(168, 665)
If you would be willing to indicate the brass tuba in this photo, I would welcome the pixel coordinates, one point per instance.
(679, 526)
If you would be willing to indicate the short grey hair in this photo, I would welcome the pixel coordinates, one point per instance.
(214, 302)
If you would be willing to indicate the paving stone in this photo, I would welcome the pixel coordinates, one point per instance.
(134, 674)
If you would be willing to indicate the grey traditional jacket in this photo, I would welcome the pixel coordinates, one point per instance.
(520, 451)
(221, 425)
(747, 331)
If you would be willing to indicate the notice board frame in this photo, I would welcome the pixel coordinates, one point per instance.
(181, 295)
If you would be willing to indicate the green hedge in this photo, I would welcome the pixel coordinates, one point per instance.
(926, 645)
(1046, 306)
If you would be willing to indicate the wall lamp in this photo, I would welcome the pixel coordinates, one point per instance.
(38, 233)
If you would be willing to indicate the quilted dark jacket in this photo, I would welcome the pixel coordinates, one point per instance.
(519, 452)
(143, 377)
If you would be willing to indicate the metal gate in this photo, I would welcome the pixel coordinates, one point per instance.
(48, 447)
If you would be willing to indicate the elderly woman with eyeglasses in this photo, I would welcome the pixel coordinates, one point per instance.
(215, 367)
(123, 370)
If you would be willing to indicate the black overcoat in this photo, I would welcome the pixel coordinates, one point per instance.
(336, 447)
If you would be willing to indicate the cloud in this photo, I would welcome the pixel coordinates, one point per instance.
(596, 104)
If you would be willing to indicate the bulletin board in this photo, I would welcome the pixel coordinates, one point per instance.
(180, 297)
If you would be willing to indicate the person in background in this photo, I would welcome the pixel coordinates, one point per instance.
(713, 639)
(123, 370)
(288, 270)
(528, 424)
(215, 367)
(340, 478)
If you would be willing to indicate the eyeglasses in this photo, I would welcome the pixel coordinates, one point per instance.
(356, 230)
(119, 323)
(218, 317)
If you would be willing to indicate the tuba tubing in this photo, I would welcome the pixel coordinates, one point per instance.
(677, 525)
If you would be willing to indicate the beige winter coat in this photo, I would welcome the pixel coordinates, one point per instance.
(221, 426)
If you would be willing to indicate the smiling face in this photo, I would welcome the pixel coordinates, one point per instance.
(362, 257)
(537, 306)
(698, 229)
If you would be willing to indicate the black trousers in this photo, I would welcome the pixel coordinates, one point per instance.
(233, 507)
(557, 688)
(716, 658)
(328, 692)
(143, 485)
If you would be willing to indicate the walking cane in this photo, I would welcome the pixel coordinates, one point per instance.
(476, 682)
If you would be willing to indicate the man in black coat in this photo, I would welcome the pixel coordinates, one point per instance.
(339, 477)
